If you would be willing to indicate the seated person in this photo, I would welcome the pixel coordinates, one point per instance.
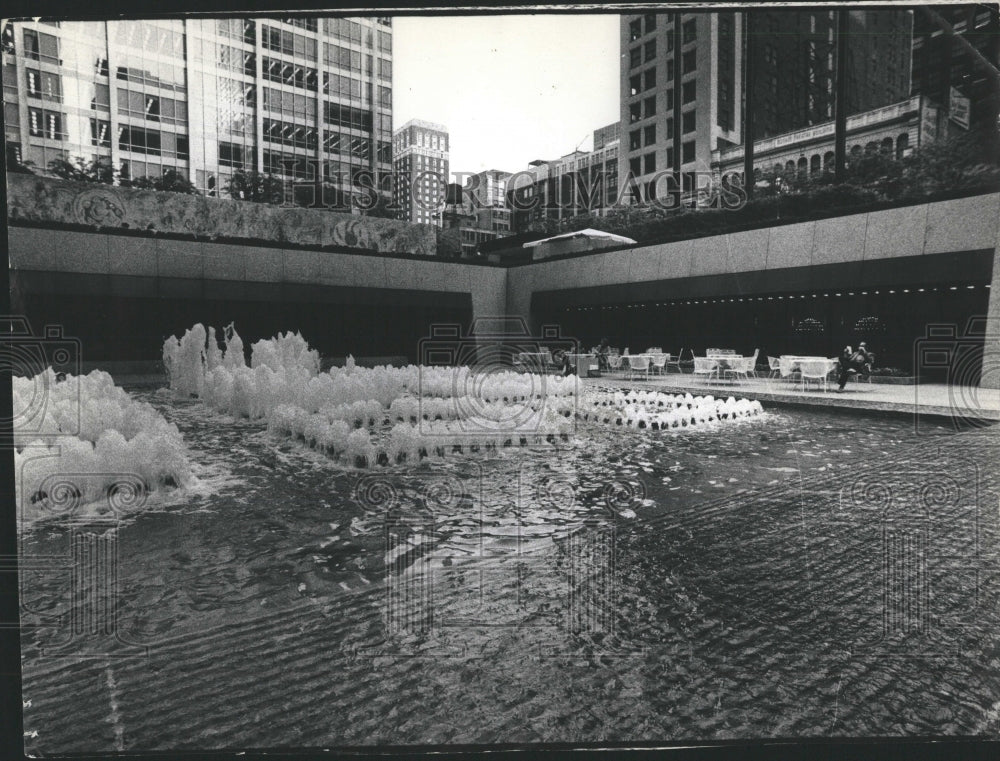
(860, 361)
(602, 355)
(561, 359)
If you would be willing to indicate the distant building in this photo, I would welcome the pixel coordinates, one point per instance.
(479, 209)
(682, 74)
(420, 170)
(580, 182)
(205, 97)
(605, 135)
(941, 65)
(894, 130)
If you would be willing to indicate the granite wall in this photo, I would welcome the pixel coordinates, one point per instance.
(35, 199)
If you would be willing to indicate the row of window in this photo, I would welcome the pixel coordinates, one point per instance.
(352, 31)
(158, 74)
(347, 116)
(292, 74)
(152, 107)
(646, 136)
(152, 142)
(287, 133)
(640, 27)
(645, 108)
(287, 42)
(143, 36)
(236, 29)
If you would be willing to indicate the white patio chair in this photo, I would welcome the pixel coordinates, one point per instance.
(671, 362)
(814, 370)
(740, 369)
(706, 367)
(787, 367)
(752, 364)
(774, 364)
(638, 364)
(658, 364)
(614, 363)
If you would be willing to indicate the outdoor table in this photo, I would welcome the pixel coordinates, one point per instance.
(724, 361)
(793, 362)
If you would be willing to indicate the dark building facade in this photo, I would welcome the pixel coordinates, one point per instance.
(941, 63)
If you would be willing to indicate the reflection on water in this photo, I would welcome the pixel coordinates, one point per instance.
(624, 585)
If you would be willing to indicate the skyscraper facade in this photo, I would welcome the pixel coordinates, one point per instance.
(682, 82)
(307, 99)
(421, 171)
(941, 64)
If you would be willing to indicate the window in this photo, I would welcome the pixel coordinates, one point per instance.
(41, 47)
(635, 84)
(385, 42)
(137, 139)
(634, 140)
(650, 106)
(385, 96)
(231, 155)
(769, 57)
(670, 70)
(634, 112)
(308, 24)
(688, 91)
(687, 151)
(635, 166)
(688, 122)
(650, 20)
(44, 123)
(689, 61)
(295, 135)
(345, 58)
(649, 162)
(669, 100)
(688, 32)
(650, 78)
(650, 50)
(634, 30)
(670, 128)
(385, 68)
(346, 116)
(289, 74)
(649, 135)
(634, 57)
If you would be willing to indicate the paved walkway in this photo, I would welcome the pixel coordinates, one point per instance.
(925, 398)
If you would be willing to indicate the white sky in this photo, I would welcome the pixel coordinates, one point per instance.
(510, 89)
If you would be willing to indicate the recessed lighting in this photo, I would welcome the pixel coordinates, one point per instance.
(891, 291)
(970, 287)
(953, 288)
(920, 290)
(864, 293)
(906, 290)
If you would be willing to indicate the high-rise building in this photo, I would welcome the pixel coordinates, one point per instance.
(302, 98)
(421, 172)
(942, 65)
(682, 82)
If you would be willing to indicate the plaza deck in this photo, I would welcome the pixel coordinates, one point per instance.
(931, 399)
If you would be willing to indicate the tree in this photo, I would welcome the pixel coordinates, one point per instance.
(81, 170)
(172, 181)
(257, 187)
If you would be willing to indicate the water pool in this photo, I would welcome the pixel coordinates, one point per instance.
(777, 577)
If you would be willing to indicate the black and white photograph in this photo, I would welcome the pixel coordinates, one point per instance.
(529, 378)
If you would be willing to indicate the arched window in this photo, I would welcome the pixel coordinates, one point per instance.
(871, 148)
(902, 145)
(814, 164)
(855, 150)
(789, 166)
(887, 146)
(803, 165)
(828, 160)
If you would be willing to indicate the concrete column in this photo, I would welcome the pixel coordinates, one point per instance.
(990, 376)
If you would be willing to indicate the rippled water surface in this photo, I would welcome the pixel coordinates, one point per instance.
(800, 574)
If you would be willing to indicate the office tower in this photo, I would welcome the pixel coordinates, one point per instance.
(420, 168)
(943, 67)
(682, 82)
(303, 98)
